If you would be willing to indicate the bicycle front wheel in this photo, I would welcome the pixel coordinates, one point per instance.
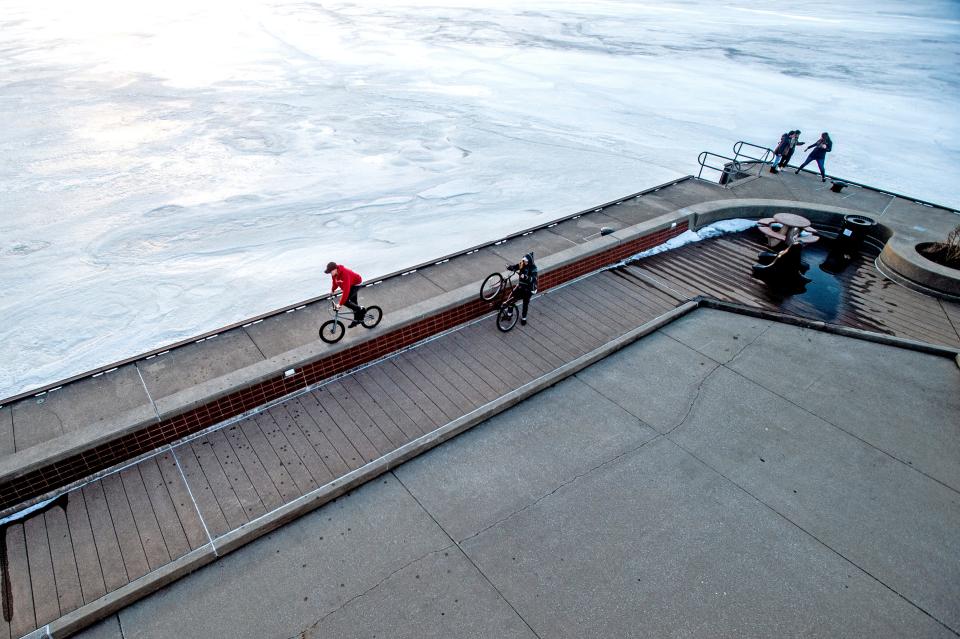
(507, 317)
(332, 331)
(491, 287)
(372, 316)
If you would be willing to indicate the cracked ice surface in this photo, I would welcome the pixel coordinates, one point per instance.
(167, 168)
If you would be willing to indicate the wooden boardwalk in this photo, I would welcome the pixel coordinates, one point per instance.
(863, 297)
(111, 531)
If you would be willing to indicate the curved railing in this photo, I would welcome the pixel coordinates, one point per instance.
(768, 154)
(738, 152)
(729, 170)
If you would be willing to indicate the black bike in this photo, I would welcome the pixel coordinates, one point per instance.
(333, 330)
(496, 285)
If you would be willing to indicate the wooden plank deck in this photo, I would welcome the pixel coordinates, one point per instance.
(865, 299)
(107, 533)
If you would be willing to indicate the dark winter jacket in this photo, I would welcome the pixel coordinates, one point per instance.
(784, 145)
(527, 273)
(819, 152)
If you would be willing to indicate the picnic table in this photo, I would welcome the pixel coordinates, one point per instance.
(787, 227)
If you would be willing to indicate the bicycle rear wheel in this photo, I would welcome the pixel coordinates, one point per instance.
(332, 331)
(491, 287)
(507, 317)
(372, 316)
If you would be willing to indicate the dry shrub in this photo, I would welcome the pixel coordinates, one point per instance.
(952, 246)
(946, 253)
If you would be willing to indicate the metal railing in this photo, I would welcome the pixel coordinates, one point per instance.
(767, 156)
(730, 169)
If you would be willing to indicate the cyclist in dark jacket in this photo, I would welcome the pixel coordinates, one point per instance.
(526, 269)
(820, 149)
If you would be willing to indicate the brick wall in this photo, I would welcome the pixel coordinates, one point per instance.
(77, 467)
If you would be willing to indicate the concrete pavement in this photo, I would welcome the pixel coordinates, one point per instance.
(696, 483)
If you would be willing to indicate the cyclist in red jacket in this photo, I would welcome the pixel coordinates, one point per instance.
(348, 282)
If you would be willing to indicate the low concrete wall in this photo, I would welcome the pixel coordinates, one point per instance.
(900, 256)
(67, 459)
(819, 214)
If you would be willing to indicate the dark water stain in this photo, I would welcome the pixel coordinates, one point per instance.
(5, 586)
(828, 295)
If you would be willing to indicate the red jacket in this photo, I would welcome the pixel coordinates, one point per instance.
(345, 280)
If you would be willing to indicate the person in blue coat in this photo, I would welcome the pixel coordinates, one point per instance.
(820, 149)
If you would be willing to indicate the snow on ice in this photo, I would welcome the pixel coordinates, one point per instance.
(167, 168)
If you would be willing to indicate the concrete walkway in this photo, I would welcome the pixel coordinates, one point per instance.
(678, 488)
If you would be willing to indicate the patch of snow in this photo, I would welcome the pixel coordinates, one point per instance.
(716, 229)
(20, 514)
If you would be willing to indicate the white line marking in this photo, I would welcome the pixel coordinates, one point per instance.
(147, 391)
(193, 499)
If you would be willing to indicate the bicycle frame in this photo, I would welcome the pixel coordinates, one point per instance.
(335, 309)
(508, 285)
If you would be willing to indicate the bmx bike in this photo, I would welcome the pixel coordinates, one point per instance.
(505, 288)
(333, 330)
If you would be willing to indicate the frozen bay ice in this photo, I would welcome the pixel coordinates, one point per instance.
(169, 168)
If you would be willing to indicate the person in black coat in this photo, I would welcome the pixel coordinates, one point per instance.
(794, 141)
(820, 149)
(526, 269)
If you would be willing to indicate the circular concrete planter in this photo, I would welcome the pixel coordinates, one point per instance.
(922, 250)
(901, 257)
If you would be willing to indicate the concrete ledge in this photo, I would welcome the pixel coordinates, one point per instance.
(900, 256)
(122, 597)
(856, 333)
(751, 208)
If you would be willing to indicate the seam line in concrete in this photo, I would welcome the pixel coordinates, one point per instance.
(193, 499)
(376, 585)
(427, 277)
(613, 401)
(746, 346)
(814, 537)
(949, 319)
(468, 557)
(564, 484)
(844, 431)
(696, 398)
(887, 206)
(146, 390)
(254, 342)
